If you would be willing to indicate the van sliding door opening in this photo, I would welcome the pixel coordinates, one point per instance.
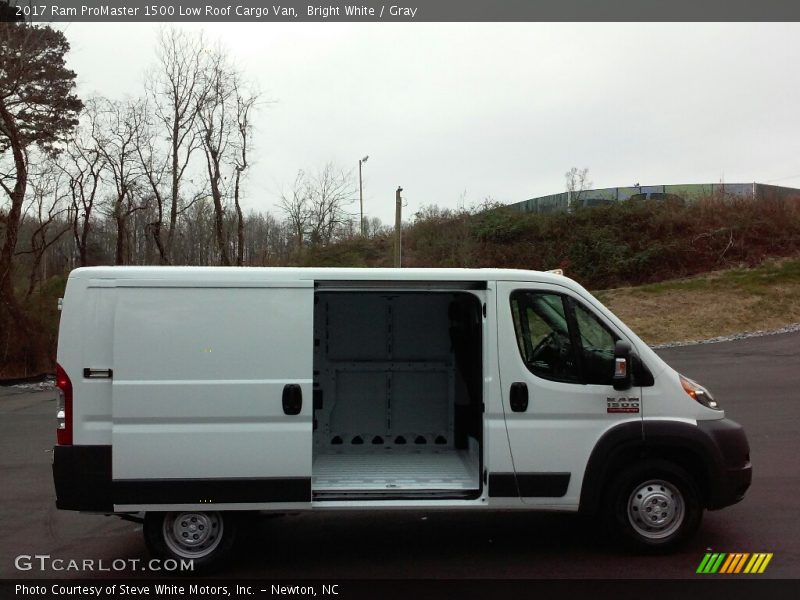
(397, 394)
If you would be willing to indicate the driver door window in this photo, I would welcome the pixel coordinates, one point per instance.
(562, 340)
(596, 347)
(543, 336)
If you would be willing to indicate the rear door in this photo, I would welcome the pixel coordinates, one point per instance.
(556, 369)
(212, 394)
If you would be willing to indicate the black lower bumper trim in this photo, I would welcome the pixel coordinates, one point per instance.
(83, 480)
(211, 491)
(82, 477)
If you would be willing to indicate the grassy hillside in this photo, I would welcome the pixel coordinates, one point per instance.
(718, 303)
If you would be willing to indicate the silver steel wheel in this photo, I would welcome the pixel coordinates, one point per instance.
(192, 534)
(656, 509)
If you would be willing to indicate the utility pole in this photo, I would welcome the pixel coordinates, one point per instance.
(361, 192)
(398, 210)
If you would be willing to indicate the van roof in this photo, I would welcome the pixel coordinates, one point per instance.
(316, 274)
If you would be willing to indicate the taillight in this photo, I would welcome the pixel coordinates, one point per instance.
(64, 414)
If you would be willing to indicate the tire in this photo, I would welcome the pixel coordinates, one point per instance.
(206, 538)
(653, 506)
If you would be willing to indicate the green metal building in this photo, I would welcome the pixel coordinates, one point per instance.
(683, 193)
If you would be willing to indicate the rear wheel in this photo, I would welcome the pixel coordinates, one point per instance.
(206, 538)
(654, 506)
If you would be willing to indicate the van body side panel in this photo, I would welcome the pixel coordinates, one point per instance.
(92, 414)
(199, 378)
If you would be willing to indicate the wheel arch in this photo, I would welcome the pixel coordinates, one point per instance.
(682, 444)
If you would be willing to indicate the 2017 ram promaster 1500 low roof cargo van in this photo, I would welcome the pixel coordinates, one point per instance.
(200, 396)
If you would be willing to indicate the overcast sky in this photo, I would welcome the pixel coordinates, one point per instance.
(461, 112)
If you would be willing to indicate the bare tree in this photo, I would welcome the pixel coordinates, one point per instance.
(244, 104)
(316, 207)
(116, 138)
(267, 242)
(83, 164)
(176, 89)
(153, 164)
(47, 205)
(215, 128)
(296, 208)
(195, 237)
(577, 183)
(224, 126)
(374, 227)
(332, 190)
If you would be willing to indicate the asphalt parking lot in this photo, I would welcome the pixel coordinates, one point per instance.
(757, 380)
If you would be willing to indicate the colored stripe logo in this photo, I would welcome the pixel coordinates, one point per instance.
(734, 562)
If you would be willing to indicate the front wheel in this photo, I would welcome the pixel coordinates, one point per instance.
(205, 538)
(654, 506)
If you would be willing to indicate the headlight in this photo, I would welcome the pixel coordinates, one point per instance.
(699, 393)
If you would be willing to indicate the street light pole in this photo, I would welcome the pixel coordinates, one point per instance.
(361, 192)
(398, 207)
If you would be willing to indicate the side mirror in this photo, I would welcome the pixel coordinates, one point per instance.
(622, 365)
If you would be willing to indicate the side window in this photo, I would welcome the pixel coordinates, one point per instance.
(542, 331)
(596, 346)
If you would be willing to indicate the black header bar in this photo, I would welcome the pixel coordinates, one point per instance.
(292, 11)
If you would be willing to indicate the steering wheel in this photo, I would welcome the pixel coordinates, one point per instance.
(546, 342)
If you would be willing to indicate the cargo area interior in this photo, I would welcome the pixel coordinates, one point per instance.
(398, 401)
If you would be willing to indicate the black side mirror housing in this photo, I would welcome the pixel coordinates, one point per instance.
(622, 365)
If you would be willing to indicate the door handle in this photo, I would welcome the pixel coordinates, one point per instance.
(519, 397)
(292, 399)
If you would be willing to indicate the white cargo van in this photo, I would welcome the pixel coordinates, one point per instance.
(202, 396)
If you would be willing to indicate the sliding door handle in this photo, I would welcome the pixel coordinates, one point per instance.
(292, 399)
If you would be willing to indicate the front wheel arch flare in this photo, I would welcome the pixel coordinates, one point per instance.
(628, 443)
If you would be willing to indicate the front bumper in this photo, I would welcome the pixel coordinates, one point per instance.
(733, 470)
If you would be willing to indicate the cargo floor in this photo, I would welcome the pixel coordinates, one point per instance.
(392, 469)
